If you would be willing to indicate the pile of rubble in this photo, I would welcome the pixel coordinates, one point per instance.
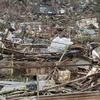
(53, 51)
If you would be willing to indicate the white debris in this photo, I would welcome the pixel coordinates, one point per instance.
(10, 36)
(58, 44)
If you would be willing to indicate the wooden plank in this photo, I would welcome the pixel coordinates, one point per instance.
(72, 96)
(90, 96)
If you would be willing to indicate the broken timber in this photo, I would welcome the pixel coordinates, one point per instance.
(57, 86)
(76, 96)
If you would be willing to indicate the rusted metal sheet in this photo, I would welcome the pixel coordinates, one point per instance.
(30, 68)
(30, 65)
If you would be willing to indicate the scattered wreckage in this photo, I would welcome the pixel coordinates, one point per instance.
(62, 77)
(34, 65)
(47, 70)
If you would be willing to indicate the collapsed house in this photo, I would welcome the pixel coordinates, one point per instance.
(38, 62)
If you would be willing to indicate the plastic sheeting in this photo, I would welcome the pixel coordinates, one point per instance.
(58, 44)
(10, 36)
(90, 31)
